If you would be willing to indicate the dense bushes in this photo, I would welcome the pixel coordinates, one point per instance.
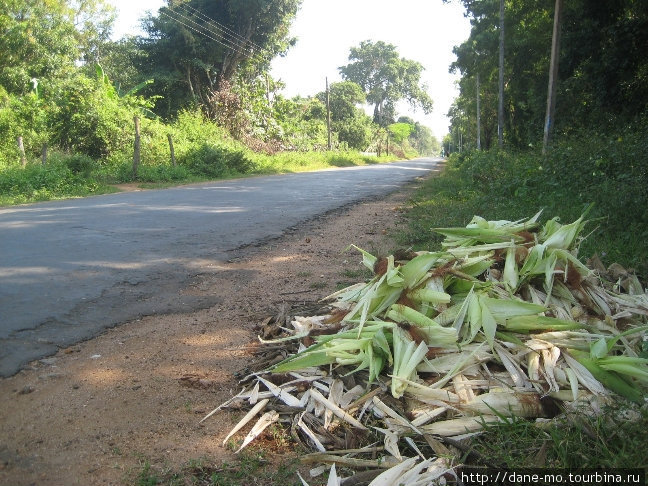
(214, 161)
(63, 176)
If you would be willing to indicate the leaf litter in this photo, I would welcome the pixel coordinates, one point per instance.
(503, 321)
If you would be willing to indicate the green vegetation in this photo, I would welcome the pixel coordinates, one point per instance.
(597, 156)
(252, 468)
(608, 172)
(69, 97)
(613, 439)
(598, 150)
(602, 76)
(386, 78)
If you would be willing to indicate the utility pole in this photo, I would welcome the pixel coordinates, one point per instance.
(328, 114)
(553, 77)
(478, 117)
(500, 102)
(136, 147)
(268, 90)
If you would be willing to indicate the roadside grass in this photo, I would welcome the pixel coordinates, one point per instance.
(615, 438)
(502, 185)
(251, 468)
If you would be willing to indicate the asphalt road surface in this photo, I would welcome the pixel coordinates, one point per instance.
(70, 269)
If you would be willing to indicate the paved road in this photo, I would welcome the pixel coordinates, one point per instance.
(70, 269)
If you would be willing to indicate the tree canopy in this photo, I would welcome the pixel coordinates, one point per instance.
(386, 78)
(193, 47)
(603, 70)
(66, 86)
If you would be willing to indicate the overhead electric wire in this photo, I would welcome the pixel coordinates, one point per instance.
(216, 24)
(200, 30)
(211, 26)
(227, 42)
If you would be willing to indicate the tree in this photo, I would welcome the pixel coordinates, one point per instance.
(302, 121)
(38, 41)
(527, 44)
(93, 21)
(602, 79)
(192, 48)
(400, 131)
(344, 98)
(349, 122)
(423, 141)
(386, 78)
(120, 60)
(604, 69)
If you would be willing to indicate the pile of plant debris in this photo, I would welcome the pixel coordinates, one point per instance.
(503, 321)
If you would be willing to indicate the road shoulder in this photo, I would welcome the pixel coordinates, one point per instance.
(93, 412)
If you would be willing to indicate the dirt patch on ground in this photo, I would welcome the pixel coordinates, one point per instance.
(93, 413)
(129, 187)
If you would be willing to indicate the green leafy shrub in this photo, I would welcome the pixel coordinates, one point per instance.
(91, 118)
(356, 132)
(36, 182)
(162, 173)
(216, 161)
(23, 116)
(79, 164)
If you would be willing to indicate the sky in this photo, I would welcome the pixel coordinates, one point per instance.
(422, 30)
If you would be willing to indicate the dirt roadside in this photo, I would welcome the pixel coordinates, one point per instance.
(94, 412)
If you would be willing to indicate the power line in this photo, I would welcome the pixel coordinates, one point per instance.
(175, 16)
(217, 25)
(229, 43)
(206, 24)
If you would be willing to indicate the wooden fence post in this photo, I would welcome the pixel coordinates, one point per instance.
(328, 114)
(553, 77)
(21, 149)
(44, 154)
(173, 160)
(136, 151)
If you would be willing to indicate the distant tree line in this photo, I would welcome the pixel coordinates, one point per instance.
(64, 84)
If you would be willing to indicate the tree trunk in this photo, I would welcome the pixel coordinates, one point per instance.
(191, 88)
(553, 77)
(478, 116)
(500, 102)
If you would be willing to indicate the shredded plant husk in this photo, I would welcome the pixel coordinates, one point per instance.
(504, 320)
